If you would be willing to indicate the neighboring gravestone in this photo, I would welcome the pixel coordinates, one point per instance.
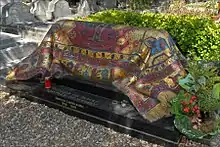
(2, 4)
(39, 9)
(58, 9)
(16, 13)
(62, 9)
(109, 4)
(86, 7)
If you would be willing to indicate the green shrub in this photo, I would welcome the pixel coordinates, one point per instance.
(197, 37)
(139, 4)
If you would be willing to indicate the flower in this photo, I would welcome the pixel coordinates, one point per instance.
(193, 97)
(196, 107)
(191, 101)
(197, 112)
(184, 103)
(186, 110)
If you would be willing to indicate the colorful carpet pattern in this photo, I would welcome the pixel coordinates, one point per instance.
(143, 63)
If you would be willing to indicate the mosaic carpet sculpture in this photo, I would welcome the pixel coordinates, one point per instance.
(142, 63)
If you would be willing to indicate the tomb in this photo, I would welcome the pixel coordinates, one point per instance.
(102, 72)
(17, 19)
(86, 7)
(123, 77)
(39, 9)
(16, 12)
(59, 9)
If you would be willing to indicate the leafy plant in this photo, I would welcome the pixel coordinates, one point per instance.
(139, 4)
(185, 104)
(204, 82)
(185, 108)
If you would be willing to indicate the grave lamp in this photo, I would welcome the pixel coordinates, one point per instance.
(47, 83)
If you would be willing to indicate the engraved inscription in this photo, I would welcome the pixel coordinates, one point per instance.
(69, 104)
(70, 94)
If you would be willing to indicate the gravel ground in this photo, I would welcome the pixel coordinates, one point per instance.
(24, 123)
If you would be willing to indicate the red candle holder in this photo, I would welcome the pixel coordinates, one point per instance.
(47, 83)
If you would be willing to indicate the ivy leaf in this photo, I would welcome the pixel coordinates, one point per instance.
(195, 88)
(187, 82)
(202, 80)
(216, 91)
(214, 47)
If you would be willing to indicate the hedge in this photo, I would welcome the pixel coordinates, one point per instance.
(197, 37)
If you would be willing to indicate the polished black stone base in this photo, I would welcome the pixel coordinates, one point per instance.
(99, 105)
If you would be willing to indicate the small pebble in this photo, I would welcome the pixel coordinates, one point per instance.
(25, 123)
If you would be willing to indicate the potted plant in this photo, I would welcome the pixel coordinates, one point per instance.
(196, 107)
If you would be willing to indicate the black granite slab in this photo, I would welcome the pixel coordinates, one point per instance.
(98, 105)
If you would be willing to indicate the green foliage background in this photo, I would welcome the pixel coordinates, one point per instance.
(139, 4)
(198, 37)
